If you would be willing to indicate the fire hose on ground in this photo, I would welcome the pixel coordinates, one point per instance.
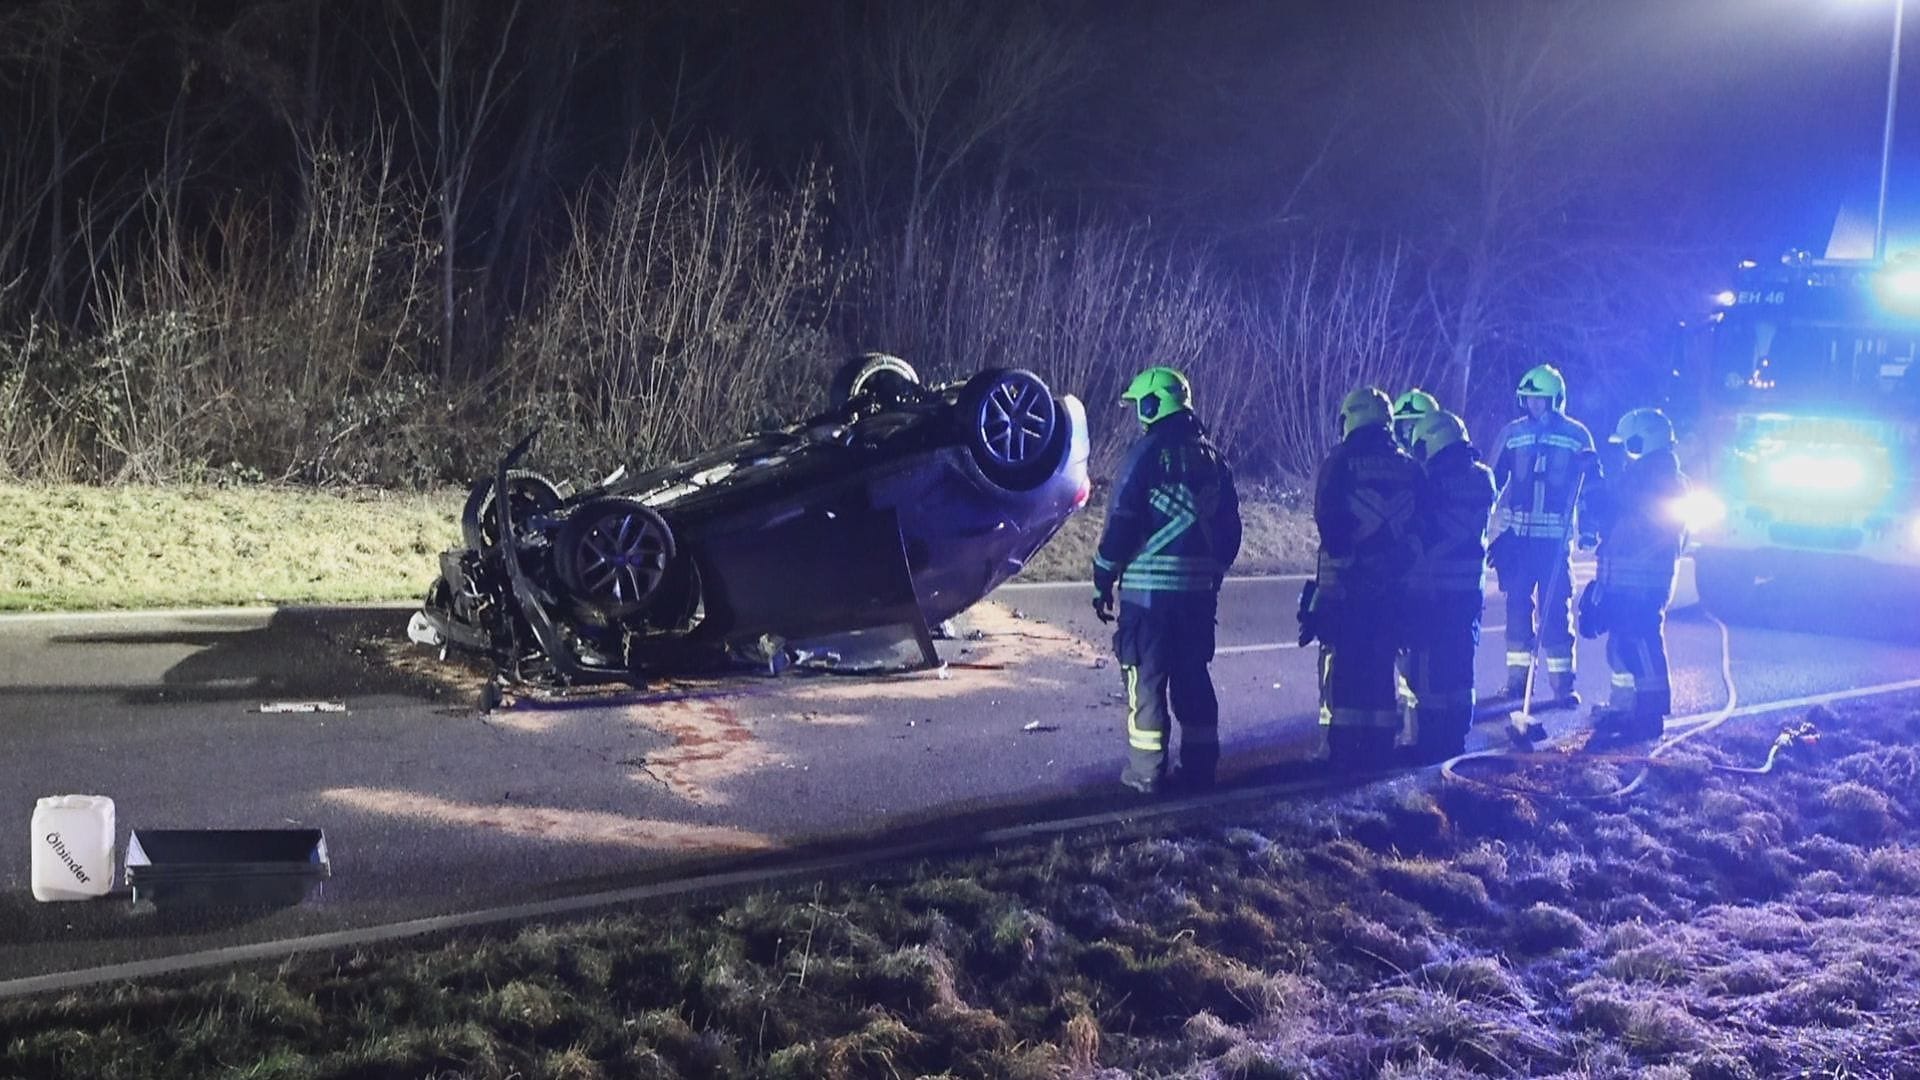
(1789, 737)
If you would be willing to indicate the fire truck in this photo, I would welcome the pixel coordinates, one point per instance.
(1804, 439)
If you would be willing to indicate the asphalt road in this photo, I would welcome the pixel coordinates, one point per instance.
(430, 806)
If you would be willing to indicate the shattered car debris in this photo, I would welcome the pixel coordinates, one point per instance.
(901, 505)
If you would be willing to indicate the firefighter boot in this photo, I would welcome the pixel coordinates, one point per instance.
(1564, 695)
(1517, 687)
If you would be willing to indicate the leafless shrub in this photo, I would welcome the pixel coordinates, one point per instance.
(226, 345)
(683, 314)
(1333, 319)
(1085, 308)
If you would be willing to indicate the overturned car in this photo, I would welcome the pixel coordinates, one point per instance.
(901, 505)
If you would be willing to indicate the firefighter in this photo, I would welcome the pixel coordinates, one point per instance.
(1173, 529)
(1408, 410)
(1641, 536)
(1541, 466)
(1447, 586)
(1363, 504)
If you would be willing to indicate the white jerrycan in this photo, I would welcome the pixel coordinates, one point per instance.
(72, 847)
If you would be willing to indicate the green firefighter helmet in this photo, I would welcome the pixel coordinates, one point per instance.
(1365, 407)
(1543, 381)
(1644, 431)
(1157, 393)
(1408, 410)
(1435, 432)
(1414, 405)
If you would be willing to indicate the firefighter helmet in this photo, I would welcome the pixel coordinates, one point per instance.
(1157, 393)
(1365, 407)
(1435, 432)
(1544, 381)
(1408, 410)
(1415, 405)
(1644, 431)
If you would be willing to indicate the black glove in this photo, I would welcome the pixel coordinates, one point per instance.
(1590, 614)
(1103, 605)
(1500, 551)
(1305, 615)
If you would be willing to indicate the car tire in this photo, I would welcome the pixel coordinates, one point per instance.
(1012, 426)
(875, 374)
(530, 492)
(611, 555)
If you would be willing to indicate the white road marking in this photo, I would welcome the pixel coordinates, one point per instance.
(257, 610)
(1275, 646)
(1876, 690)
(1238, 579)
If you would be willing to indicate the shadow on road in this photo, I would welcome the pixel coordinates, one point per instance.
(302, 653)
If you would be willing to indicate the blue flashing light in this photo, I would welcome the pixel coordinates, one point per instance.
(1725, 298)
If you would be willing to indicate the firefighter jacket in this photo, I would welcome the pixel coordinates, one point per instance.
(1174, 521)
(1641, 535)
(1456, 502)
(1539, 467)
(1364, 502)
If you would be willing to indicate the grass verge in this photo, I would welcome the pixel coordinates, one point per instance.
(1716, 926)
(74, 548)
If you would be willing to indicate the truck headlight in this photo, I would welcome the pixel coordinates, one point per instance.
(1699, 510)
(1832, 474)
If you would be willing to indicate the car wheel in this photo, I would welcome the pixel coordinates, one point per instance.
(611, 555)
(530, 493)
(875, 374)
(1012, 426)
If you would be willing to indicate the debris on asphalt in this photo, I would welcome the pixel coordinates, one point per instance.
(1099, 663)
(303, 706)
(1019, 614)
(1035, 725)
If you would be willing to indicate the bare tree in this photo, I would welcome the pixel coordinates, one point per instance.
(934, 85)
(1512, 171)
(1333, 318)
(464, 60)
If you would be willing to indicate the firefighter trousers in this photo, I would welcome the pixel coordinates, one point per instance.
(1444, 637)
(1539, 569)
(1359, 702)
(1637, 653)
(1164, 643)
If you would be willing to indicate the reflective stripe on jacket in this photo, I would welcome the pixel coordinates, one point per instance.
(1538, 467)
(1364, 503)
(1456, 502)
(1173, 524)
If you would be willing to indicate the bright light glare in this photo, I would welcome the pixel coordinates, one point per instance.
(1904, 284)
(1699, 510)
(1816, 473)
(1724, 298)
